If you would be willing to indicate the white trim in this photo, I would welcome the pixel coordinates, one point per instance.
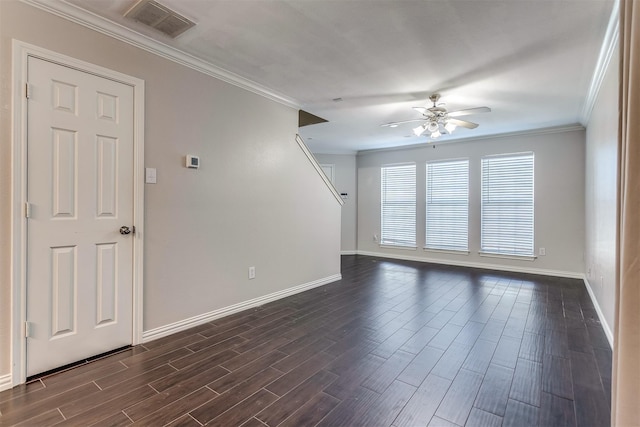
(399, 164)
(507, 256)
(21, 52)
(332, 167)
(336, 153)
(351, 252)
(182, 325)
(403, 248)
(119, 32)
(318, 168)
(606, 52)
(499, 267)
(529, 132)
(138, 210)
(603, 320)
(5, 382)
(18, 222)
(447, 251)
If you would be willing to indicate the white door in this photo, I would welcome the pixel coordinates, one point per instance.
(80, 191)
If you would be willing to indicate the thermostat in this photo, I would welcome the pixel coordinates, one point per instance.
(193, 161)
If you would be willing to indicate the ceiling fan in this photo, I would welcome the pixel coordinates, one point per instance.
(438, 120)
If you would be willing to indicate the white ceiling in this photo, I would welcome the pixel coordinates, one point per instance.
(530, 61)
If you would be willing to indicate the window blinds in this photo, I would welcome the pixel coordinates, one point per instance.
(447, 205)
(398, 212)
(507, 204)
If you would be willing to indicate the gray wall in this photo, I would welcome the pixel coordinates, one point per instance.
(559, 199)
(345, 182)
(601, 194)
(256, 200)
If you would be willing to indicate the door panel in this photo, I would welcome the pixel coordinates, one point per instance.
(106, 284)
(80, 186)
(107, 176)
(65, 173)
(63, 291)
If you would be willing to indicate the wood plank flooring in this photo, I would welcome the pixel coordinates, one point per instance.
(393, 343)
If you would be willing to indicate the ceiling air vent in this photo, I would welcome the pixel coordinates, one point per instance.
(159, 17)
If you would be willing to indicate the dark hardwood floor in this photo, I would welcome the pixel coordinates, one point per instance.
(393, 343)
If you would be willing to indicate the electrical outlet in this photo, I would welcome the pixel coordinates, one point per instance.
(252, 272)
(542, 251)
(375, 237)
(589, 272)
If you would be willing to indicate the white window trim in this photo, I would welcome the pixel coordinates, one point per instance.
(507, 256)
(406, 248)
(446, 251)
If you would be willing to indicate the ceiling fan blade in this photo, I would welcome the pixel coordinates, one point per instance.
(399, 123)
(469, 111)
(423, 110)
(463, 123)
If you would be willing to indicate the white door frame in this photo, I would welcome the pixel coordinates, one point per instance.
(21, 52)
(332, 167)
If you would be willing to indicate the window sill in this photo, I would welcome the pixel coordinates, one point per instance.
(447, 251)
(506, 256)
(406, 248)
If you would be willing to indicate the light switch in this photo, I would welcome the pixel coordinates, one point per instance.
(150, 175)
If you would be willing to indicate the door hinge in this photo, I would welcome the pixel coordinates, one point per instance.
(27, 210)
(27, 90)
(28, 330)
(133, 229)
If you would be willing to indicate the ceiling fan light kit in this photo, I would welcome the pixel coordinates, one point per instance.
(440, 121)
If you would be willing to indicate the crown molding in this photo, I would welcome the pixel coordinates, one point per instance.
(334, 152)
(119, 32)
(529, 132)
(606, 52)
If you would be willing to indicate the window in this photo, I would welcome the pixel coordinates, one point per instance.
(447, 207)
(398, 213)
(507, 204)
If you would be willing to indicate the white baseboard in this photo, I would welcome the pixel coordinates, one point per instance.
(499, 267)
(5, 382)
(182, 325)
(354, 252)
(605, 326)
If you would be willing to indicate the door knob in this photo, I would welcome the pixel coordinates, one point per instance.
(126, 230)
